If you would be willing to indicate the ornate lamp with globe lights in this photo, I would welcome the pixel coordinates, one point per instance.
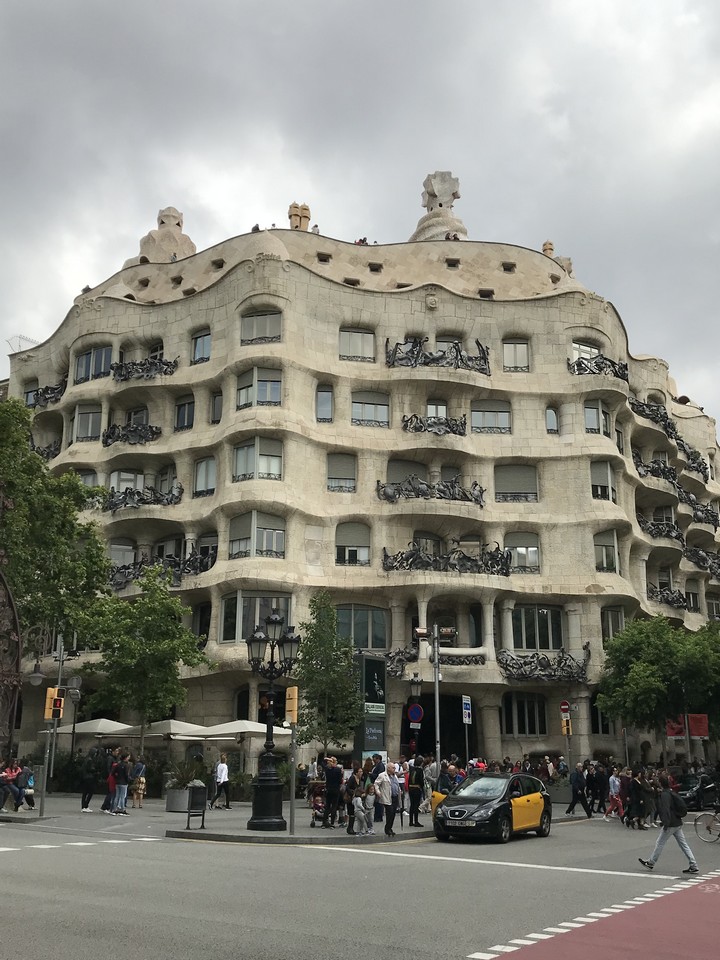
(283, 646)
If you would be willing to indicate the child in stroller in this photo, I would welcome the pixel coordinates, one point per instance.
(317, 804)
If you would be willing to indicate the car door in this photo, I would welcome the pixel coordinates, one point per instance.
(521, 813)
(535, 802)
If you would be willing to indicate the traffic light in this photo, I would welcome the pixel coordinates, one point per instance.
(54, 703)
(566, 727)
(291, 704)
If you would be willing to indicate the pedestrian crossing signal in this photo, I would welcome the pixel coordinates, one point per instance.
(566, 727)
(291, 704)
(54, 703)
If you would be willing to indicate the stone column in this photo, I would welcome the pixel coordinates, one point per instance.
(393, 720)
(491, 734)
(507, 608)
(574, 634)
(488, 614)
(253, 698)
(398, 627)
(580, 743)
(425, 645)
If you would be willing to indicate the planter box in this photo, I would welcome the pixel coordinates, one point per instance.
(176, 801)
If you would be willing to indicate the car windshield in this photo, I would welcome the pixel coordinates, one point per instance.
(481, 788)
(688, 782)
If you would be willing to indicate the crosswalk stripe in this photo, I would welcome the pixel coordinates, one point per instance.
(523, 943)
(571, 924)
(43, 846)
(114, 841)
(79, 843)
(556, 930)
(501, 948)
(8, 849)
(482, 956)
(541, 936)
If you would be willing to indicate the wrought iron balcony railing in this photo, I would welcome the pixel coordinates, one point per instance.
(413, 488)
(494, 561)
(661, 528)
(45, 395)
(672, 598)
(544, 666)
(599, 364)
(440, 426)
(47, 453)
(149, 497)
(132, 433)
(146, 369)
(411, 352)
(193, 565)
(655, 468)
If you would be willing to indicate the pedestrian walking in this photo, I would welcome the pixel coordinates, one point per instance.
(578, 786)
(615, 807)
(636, 803)
(672, 809)
(121, 775)
(333, 783)
(222, 782)
(416, 790)
(388, 790)
(138, 782)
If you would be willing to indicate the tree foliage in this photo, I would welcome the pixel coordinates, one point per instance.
(331, 706)
(654, 672)
(55, 562)
(143, 644)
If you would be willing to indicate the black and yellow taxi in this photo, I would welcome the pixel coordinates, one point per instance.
(495, 805)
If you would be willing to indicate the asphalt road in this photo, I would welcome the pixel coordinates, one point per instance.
(80, 894)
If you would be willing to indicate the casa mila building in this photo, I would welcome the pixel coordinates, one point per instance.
(441, 432)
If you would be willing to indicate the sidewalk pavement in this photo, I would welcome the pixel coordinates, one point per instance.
(223, 826)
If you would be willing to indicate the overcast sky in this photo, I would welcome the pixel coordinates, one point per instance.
(595, 124)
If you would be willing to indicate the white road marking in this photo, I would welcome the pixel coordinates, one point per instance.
(8, 849)
(502, 949)
(114, 841)
(523, 943)
(540, 936)
(624, 906)
(599, 916)
(556, 930)
(573, 926)
(491, 863)
(80, 843)
(586, 919)
(43, 846)
(608, 910)
(482, 956)
(146, 839)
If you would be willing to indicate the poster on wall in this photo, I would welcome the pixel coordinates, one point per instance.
(698, 723)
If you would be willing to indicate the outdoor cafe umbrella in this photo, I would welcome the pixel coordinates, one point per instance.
(235, 729)
(169, 729)
(95, 728)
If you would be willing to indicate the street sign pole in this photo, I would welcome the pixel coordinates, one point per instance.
(565, 716)
(467, 720)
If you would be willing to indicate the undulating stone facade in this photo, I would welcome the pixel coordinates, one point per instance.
(440, 431)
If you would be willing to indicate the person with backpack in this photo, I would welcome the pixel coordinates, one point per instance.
(672, 809)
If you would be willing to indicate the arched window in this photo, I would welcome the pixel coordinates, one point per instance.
(551, 420)
(584, 350)
(523, 715)
(88, 478)
(352, 544)
(429, 543)
(260, 328)
(600, 723)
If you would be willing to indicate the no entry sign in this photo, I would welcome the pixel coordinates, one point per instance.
(564, 706)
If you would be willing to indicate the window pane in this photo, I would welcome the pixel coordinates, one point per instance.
(324, 404)
(379, 640)
(229, 619)
(361, 625)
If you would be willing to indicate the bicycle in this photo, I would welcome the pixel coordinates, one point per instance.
(707, 825)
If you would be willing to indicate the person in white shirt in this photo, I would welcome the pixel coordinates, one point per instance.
(222, 782)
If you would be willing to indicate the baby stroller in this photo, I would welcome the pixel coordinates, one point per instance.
(317, 804)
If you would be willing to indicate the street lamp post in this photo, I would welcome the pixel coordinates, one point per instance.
(267, 789)
(447, 633)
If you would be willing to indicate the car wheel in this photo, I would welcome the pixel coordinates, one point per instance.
(504, 831)
(544, 828)
(441, 835)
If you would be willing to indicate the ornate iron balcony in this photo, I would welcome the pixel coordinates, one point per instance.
(673, 598)
(239, 555)
(516, 497)
(411, 352)
(269, 476)
(351, 563)
(339, 485)
(45, 395)
(149, 497)
(705, 513)
(357, 422)
(196, 360)
(356, 358)
(275, 554)
(132, 433)
(252, 340)
(47, 453)
(525, 569)
(146, 369)
(704, 559)
(482, 429)
(544, 666)
(240, 477)
(440, 426)
(413, 488)
(655, 468)
(661, 528)
(203, 493)
(657, 413)
(495, 561)
(599, 364)
(695, 460)
(395, 660)
(193, 565)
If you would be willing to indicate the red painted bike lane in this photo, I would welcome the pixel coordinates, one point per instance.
(684, 923)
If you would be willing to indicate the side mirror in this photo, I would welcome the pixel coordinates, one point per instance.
(515, 795)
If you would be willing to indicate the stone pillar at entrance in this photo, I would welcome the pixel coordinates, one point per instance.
(397, 630)
(491, 734)
(488, 627)
(580, 744)
(506, 625)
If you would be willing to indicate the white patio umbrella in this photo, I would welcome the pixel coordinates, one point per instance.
(95, 728)
(241, 728)
(168, 728)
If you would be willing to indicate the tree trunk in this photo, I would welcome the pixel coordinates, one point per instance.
(142, 736)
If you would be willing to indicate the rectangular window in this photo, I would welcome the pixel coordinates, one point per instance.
(606, 552)
(101, 360)
(602, 481)
(341, 473)
(324, 405)
(244, 467)
(245, 390)
(261, 328)
(436, 408)
(491, 416)
(216, 405)
(537, 628)
(124, 479)
(240, 537)
(269, 387)
(136, 418)
(184, 414)
(201, 347)
(370, 414)
(367, 627)
(87, 424)
(269, 536)
(270, 466)
(713, 607)
(357, 345)
(29, 395)
(204, 477)
(597, 418)
(665, 578)
(255, 609)
(619, 440)
(352, 556)
(516, 356)
(166, 479)
(229, 619)
(584, 351)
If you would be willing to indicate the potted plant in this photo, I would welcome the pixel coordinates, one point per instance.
(182, 775)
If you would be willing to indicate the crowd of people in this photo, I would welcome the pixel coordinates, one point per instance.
(17, 783)
(122, 774)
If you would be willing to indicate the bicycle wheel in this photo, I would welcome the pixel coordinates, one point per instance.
(707, 827)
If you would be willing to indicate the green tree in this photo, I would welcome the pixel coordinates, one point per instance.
(654, 672)
(55, 562)
(331, 705)
(143, 644)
